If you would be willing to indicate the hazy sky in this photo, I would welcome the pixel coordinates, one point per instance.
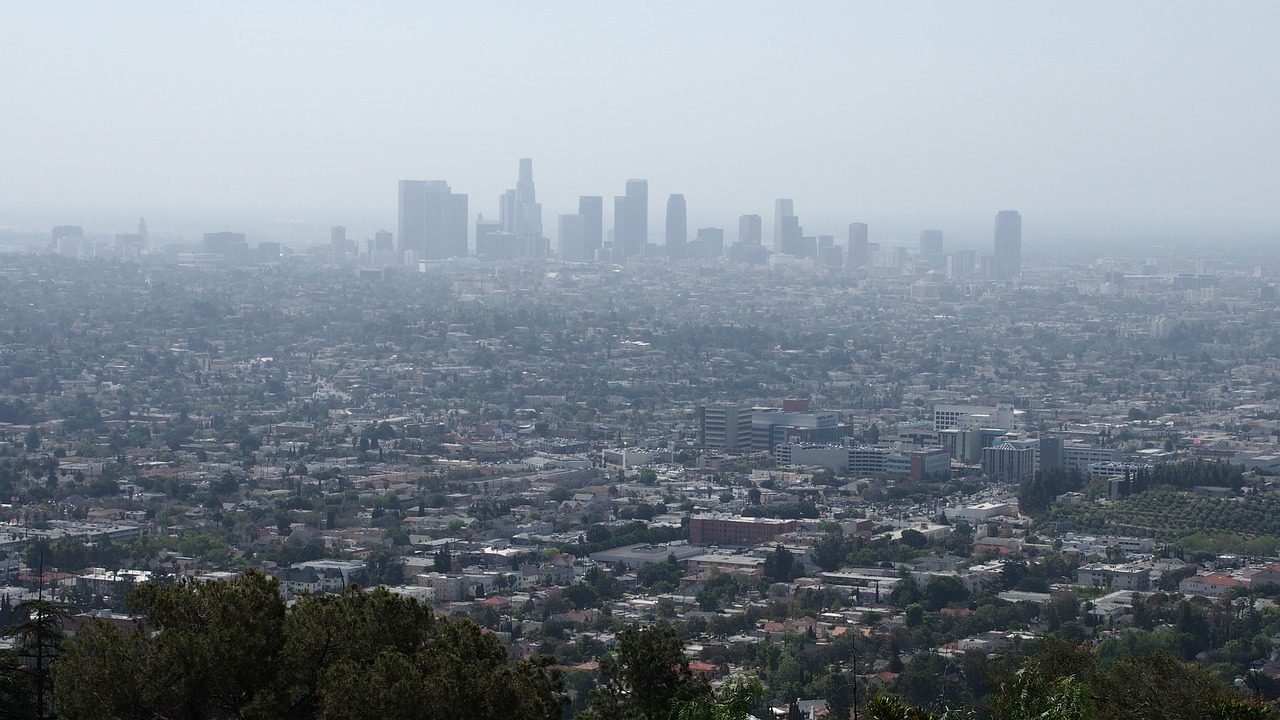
(227, 113)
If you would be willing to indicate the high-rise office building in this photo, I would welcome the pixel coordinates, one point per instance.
(631, 220)
(573, 238)
(709, 244)
(66, 231)
(591, 208)
(749, 248)
(1006, 263)
(787, 233)
(232, 246)
(960, 264)
(677, 227)
(782, 208)
(133, 243)
(338, 243)
(749, 230)
(433, 220)
(383, 241)
(67, 239)
(492, 241)
(831, 256)
(519, 209)
(859, 253)
(931, 244)
(724, 425)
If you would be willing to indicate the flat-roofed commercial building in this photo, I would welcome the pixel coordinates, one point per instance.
(946, 417)
(716, 529)
(723, 425)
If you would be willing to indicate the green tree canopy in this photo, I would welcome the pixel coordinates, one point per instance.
(648, 678)
(232, 649)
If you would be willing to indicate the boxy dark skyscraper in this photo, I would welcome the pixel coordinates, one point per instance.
(591, 208)
(677, 228)
(433, 220)
(631, 219)
(859, 254)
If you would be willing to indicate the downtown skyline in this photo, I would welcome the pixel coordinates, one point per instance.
(469, 215)
(909, 118)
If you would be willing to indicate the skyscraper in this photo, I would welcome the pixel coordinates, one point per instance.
(591, 208)
(783, 219)
(677, 227)
(710, 244)
(960, 264)
(492, 241)
(749, 230)
(338, 243)
(573, 247)
(1006, 263)
(859, 254)
(788, 236)
(133, 243)
(433, 220)
(519, 209)
(930, 243)
(631, 220)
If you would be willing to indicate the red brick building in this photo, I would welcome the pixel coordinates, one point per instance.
(715, 529)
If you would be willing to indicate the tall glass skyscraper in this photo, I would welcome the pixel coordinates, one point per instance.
(1006, 263)
(677, 227)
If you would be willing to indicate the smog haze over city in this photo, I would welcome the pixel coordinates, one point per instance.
(1092, 117)
(606, 361)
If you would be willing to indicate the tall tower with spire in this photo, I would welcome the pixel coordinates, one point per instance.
(520, 220)
(519, 210)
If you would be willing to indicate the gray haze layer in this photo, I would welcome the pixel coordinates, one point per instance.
(1087, 117)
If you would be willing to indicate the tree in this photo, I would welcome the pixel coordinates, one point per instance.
(914, 539)
(17, 691)
(941, 591)
(1145, 685)
(914, 615)
(829, 551)
(779, 564)
(1032, 695)
(888, 707)
(443, 561)
(1012, 573)
(38, 642)
(839, 689)
(646, 679)
(907, 591)
(232, 649)
(1157, 685)
(32, 439)
(732, 702)
(382, 568)
(396, 536)
(581, 596)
